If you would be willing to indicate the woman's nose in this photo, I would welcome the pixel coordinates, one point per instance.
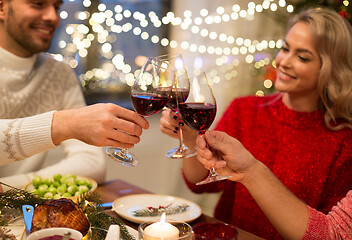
(285, 60)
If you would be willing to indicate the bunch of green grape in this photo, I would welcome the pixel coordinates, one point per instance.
(60, 186)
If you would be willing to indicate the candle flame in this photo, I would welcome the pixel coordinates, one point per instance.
(163, 216)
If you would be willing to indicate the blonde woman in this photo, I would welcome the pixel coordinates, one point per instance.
(303, 133)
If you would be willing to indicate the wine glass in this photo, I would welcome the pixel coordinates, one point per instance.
(176, 70)
(149, 95)
(198, 112)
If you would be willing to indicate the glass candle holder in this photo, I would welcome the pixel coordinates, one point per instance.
(170, 230)
(214, 231)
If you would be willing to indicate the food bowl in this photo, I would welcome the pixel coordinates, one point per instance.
(66, 186)
(55, 234)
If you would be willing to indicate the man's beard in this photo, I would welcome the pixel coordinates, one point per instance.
(22, 36)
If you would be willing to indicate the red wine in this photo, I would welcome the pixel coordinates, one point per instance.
(182, 96)
(198, 116)
(147, 104)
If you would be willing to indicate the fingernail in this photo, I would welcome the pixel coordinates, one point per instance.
(181, 124)
(176, 128)
(175, 131)
(174, 117)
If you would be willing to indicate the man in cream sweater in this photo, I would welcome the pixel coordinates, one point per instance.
(42, 105)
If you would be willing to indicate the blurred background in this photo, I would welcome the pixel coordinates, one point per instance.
(234, 42)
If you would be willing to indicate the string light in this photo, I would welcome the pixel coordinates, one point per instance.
(105, 22)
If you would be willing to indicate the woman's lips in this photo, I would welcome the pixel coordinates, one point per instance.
(284, 76)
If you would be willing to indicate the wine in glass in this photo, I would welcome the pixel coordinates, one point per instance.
(174, 68)
(198, 112)
(149, 95)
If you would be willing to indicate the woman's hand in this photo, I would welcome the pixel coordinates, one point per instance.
(171, 123)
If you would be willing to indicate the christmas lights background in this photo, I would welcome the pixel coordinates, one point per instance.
(234, 42)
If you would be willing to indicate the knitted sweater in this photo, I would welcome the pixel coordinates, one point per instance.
(335, 225)
(314, 162)
(31, 89)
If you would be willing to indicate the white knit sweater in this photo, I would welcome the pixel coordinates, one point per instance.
(31, 89)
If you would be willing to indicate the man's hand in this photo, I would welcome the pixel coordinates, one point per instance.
(100, 125)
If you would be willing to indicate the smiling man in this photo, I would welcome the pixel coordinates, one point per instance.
(28, 26)
(42, 105)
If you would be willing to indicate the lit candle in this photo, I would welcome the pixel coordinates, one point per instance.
(160, 230)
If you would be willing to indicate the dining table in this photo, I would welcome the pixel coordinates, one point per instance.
(114, 189)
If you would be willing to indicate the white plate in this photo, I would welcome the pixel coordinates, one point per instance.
(132, 231)
(125, 206)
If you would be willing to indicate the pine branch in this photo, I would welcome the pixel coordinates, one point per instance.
(99, 220)
(152, 211)
(15, 198)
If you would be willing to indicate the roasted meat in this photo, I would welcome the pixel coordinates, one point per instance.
(59, 213)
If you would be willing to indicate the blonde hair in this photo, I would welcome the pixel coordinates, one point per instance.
(333, 41)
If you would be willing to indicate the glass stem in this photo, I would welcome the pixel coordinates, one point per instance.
(123, 151)
(212, 172)
(180, 137)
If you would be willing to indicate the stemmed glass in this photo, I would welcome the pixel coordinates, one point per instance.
(174, 68)
(198, 112)
(149, 95)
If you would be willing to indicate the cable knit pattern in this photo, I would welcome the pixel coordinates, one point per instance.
(12, 132)
(22, 99)
(26, 94)
(7, 141)
(31, 90)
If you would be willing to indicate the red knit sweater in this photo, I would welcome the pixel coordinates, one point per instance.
(314, 162)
